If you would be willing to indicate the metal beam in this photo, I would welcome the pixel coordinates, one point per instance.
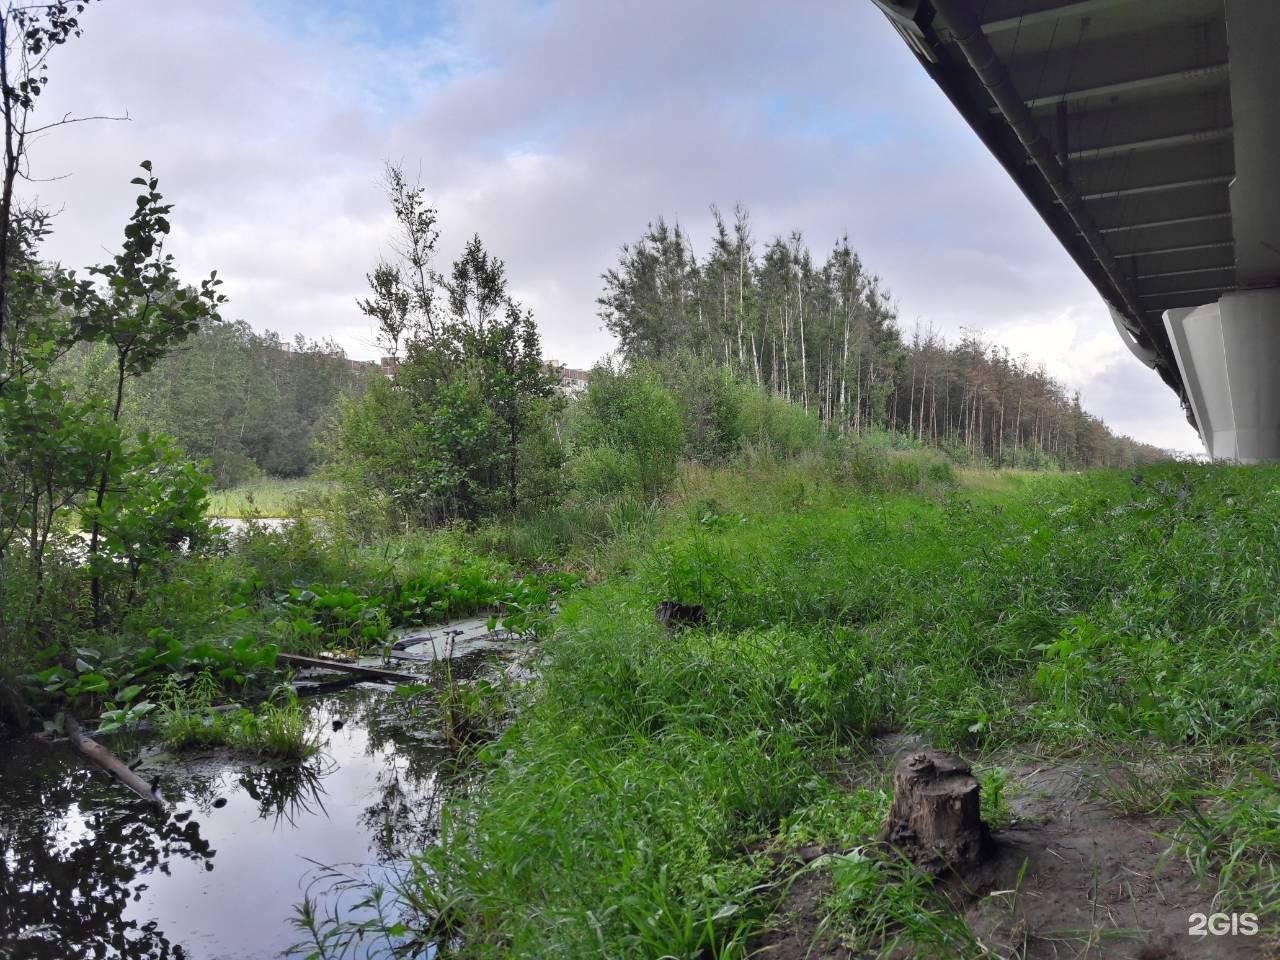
(1183, 273)
(1195, 75)
(1158, 188)
(1182, 293)
(1155, 143)
(1183, 249)
(1176, 221)
(1081, 8)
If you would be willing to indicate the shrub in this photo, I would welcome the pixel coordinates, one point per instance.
(769, 421)
(637, 422)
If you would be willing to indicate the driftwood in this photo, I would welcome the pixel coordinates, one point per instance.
(394, 654)
(368, 673)
(103, 758)
(936, 816)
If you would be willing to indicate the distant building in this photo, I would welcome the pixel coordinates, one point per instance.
(572, 382)
(386, 366)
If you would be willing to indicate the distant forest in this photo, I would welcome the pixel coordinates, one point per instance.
(825, 336)
(250, 403)
(822, 336)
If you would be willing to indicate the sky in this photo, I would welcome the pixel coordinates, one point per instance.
(556, 130)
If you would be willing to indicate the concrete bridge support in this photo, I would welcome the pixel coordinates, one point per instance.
(1229, 352)
(1229, 356)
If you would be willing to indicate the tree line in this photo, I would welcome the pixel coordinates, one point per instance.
(825, 336)
(249, 403)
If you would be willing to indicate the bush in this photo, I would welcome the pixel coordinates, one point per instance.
(605, 470)
(769, 421)
(628, 433)
(710, 398)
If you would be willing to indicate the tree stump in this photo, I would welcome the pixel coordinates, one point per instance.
(936, 817)
(672, 614)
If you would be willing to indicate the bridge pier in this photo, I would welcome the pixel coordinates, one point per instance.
(1228, 353)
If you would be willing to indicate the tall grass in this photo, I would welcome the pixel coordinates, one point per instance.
(625, 811)
(278, 728)
(268, 497)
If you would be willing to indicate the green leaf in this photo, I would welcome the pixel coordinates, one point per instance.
(93, 683)
(128, 693)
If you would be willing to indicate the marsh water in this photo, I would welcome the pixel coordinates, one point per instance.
(89, 870)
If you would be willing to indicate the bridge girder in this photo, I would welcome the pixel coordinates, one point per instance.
(1146, 137)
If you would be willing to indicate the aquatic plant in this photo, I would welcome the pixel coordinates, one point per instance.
(278, 727)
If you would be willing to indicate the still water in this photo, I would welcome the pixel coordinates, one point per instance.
(87, 870)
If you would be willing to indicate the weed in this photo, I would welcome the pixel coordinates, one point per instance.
(996, 811)
(848, 592)
(278, 728)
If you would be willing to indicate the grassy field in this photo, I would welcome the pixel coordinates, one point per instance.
(646, 801)
(265, 498)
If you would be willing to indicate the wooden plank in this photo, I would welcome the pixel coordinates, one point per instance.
(369, 673)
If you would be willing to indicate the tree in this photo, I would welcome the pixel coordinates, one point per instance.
(464, 425)
(63, 450)
(403, 289)
(142, 311)
(826, 338)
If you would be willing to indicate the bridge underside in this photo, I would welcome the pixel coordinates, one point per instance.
(1144, 133)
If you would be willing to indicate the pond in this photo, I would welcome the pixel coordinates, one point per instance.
(89, 870)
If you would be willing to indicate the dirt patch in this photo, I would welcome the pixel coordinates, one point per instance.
(797, 924)
(1068, 878)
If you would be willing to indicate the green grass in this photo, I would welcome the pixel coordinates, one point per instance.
(619, 815)
(267, 498)
(278, 728)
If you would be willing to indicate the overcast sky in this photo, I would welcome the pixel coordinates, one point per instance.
(557, 130)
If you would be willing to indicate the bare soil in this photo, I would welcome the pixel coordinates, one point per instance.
(1069, 878)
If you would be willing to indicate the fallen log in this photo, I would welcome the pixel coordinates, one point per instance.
(315, 688)
(104, 759)
(369, 673)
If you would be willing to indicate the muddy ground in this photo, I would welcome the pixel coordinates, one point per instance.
(1070, 877)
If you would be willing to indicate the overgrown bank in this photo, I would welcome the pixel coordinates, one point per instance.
(640, 804)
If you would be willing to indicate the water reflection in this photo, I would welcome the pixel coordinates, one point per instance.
(288, 793)
(87, 871)
(74, 858)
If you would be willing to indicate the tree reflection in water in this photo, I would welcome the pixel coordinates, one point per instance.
(88, 871)
(72, 852)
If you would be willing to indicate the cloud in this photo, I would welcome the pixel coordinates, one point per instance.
(557, 130)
